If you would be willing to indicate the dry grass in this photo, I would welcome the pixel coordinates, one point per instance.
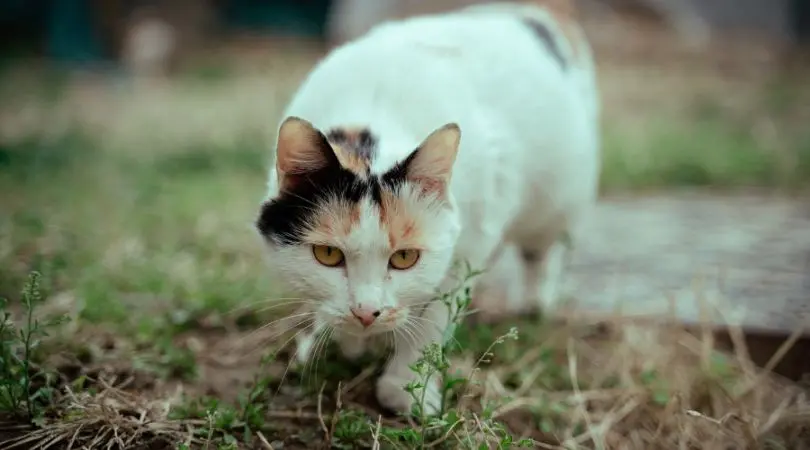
(614, 386)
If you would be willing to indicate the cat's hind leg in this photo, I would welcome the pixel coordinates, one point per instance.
(499, 291)
(544, 261)
(546, 252)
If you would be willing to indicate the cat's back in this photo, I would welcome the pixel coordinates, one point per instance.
(517, 79)
(494, 55)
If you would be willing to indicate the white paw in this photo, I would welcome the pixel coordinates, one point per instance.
(303, 347)
(391, 394)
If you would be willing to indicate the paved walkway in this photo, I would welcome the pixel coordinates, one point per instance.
(752, 254)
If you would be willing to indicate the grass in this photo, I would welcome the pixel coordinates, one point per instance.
(24, 388)
(133, 205)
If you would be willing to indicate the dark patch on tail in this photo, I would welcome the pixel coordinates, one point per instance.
(545, 36)
(359, 141)
(284, 219)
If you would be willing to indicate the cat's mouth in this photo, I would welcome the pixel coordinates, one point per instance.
(387, 320)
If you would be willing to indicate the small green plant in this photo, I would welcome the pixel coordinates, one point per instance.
(225, 421)
(435, 363)
(222, 421)
(169, 360)
(24, 388)
(659, 391)
(351, 428)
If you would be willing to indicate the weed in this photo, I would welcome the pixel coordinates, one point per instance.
(24, 388)
(435, 363)
(221, 420)
(169, 361)
(224, 421)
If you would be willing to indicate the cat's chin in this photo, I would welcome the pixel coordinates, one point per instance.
(360, 333)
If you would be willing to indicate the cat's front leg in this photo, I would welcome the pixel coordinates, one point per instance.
(425, 328)
(303, 343)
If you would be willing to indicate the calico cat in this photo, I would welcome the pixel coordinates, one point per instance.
(463, 136)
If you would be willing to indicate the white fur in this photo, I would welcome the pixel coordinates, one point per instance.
(526, 171)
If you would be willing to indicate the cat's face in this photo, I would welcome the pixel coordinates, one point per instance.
(363, 249)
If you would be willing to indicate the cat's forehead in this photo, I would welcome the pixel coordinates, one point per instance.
(362, 151)
(355, 147)
(368, 199)
(383, 222)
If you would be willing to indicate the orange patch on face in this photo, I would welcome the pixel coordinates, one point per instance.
(394, 216)
(354, 218)
(335, 221)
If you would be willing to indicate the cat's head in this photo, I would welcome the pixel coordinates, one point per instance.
(362, 248)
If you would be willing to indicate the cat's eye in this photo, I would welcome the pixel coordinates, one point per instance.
(404, 259)
(327, 255)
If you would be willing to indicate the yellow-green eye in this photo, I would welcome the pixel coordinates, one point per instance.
(327, 255)
(404, 259)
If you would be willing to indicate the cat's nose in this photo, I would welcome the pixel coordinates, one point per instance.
(366, 316)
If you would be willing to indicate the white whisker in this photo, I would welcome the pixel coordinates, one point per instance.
(322, 350)
(286, 318)
(278, 333)
(433, 322)
(412, 339)
(307, 372)
(292, 359)
(276, 303)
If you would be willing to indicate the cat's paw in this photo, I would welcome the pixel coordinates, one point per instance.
(391, 394)
(303, 344)
(351, 347)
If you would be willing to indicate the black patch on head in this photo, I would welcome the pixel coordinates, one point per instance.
(399, 173)
(360, 142)
(284, 219)
(542, 33)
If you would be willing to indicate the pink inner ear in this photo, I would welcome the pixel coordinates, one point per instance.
(431, 185)
(301, 148)
(288, 182)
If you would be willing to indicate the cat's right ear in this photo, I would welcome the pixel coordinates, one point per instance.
(300, 150)
(431, 165)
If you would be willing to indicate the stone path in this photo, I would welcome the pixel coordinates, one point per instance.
(649, 254)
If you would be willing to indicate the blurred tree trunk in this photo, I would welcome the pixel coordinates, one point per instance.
(800, 19)
(349, 19)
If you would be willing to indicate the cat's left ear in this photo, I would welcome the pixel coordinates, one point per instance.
(431, 165)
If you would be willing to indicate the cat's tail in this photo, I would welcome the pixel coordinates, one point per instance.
(561, 19)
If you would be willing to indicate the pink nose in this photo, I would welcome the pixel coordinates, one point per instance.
(366, 316)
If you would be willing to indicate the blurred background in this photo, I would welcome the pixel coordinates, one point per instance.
(661, 62)
(135, 135)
